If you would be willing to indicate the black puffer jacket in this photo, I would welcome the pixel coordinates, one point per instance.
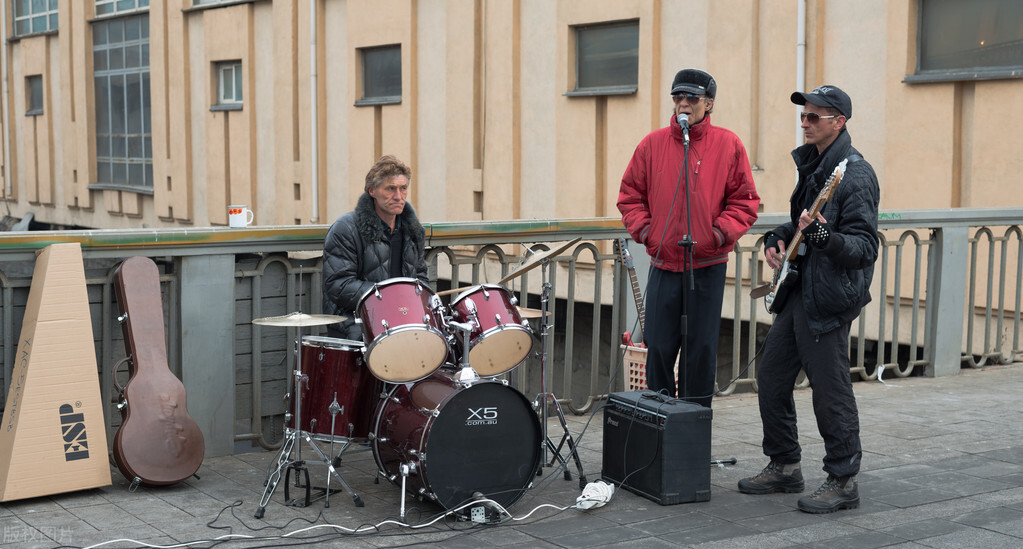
(357, 253)
(835, 279)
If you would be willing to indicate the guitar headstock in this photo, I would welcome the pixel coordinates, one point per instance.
(834, 179)
(622, 249)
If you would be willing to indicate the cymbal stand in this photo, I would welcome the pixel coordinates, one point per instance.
(546, 398)
(293, 443)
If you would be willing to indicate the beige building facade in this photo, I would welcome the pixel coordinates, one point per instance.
(162, 113)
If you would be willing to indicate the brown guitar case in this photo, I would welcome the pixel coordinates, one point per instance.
(157, 443)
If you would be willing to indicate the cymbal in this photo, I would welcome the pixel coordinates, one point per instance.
(527, 313)
(537, 259)
(299, 320)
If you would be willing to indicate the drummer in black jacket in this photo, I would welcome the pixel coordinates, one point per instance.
(811, 331)
(381, 239)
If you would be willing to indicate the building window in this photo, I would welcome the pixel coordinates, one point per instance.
(976, 40)
(606, 58)
(124, 146)
(110, 7)
(381, 75)
(34, 95)
(32, 16)
(229, 83)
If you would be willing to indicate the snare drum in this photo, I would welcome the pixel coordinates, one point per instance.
(334, 377)
(500, 340)
(402, 326)
(482, 438)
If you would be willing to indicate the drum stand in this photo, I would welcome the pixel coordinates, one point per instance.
(293, 442)
(546, 398)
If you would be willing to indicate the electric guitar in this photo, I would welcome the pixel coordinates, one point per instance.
(623, 253)
(787, 276)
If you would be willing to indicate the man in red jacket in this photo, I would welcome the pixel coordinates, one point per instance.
(689, 221)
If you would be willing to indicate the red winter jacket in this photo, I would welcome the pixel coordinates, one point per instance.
(724, 199)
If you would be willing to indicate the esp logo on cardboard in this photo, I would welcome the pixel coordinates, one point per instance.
(72, 426)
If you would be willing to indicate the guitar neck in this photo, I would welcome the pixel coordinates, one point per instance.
(638, 296)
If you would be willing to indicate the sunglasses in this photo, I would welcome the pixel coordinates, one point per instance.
(690, 98)
(814, 117)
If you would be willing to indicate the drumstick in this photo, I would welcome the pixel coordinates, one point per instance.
(454, 290)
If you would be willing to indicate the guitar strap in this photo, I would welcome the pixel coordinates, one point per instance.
(854, 158)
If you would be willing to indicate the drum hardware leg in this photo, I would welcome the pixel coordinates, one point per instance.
(546, 396)
(300, 469)
(404, 475)
(466, 375)
(331, 470)
(273, 475)
(334, 409)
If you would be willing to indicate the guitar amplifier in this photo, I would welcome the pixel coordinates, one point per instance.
(657, 447)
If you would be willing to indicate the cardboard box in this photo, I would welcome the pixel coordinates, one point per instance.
(53, 437)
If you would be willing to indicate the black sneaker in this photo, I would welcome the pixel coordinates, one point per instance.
(835, 494)
(776, 477)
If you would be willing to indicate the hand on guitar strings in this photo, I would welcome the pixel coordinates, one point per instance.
(815, 230)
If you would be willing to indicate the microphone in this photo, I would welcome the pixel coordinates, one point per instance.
(683, 120)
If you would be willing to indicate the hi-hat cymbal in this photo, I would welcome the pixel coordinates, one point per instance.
(527, 313)
(299, 320)
(537, 259)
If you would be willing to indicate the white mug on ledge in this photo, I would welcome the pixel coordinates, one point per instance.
(239, 216)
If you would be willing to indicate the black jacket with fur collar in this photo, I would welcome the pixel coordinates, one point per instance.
(357, 254)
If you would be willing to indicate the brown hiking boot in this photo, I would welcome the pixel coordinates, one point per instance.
(836, 493)
(776, 477)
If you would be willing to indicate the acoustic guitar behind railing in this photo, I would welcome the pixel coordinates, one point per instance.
(158, 443)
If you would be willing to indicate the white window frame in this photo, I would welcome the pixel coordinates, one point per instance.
(105, 8)
(229, 75)
(31, 17)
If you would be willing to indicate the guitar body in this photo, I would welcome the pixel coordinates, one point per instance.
(158, 443)
(781, 287)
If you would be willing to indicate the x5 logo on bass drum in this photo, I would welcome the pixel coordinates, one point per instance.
(482, 416)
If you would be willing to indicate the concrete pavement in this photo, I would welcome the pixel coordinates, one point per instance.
(942, 467)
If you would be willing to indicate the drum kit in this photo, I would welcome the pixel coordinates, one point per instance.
(424, 383)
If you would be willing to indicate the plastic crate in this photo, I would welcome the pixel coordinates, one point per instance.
(634, 368)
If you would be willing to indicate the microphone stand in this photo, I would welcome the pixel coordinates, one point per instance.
(687, 242)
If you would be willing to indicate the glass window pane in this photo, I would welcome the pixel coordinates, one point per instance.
(117, 124)
(53, 21)
(102, 105)
(120, 172)
(118, 146)
(144, 56)
(39, 23)
(131, 29)
(132, 58)
(608, 55)
(102, 145)
(381, 72)
(147, 127)
(967, 35)
(99, 34)
(53, 5)
(105, 173)
(99, 60)
(21, 8)
(116, 59)
(21, 27)
(35, 95)
(149, 174)
(238, 82)
(133, 103)
(135, 176)
(126, 5)
(115, 31)
(38, 6)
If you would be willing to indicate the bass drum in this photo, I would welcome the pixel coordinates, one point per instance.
(482, 438)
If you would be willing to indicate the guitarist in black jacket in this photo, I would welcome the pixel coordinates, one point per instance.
(811, 330)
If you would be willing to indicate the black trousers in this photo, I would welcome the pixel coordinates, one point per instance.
(668, 296)
(825, 359)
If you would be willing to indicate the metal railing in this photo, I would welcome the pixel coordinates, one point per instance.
(947, 290)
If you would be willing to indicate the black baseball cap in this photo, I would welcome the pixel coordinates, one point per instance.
(694, 81)
(826, 96)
